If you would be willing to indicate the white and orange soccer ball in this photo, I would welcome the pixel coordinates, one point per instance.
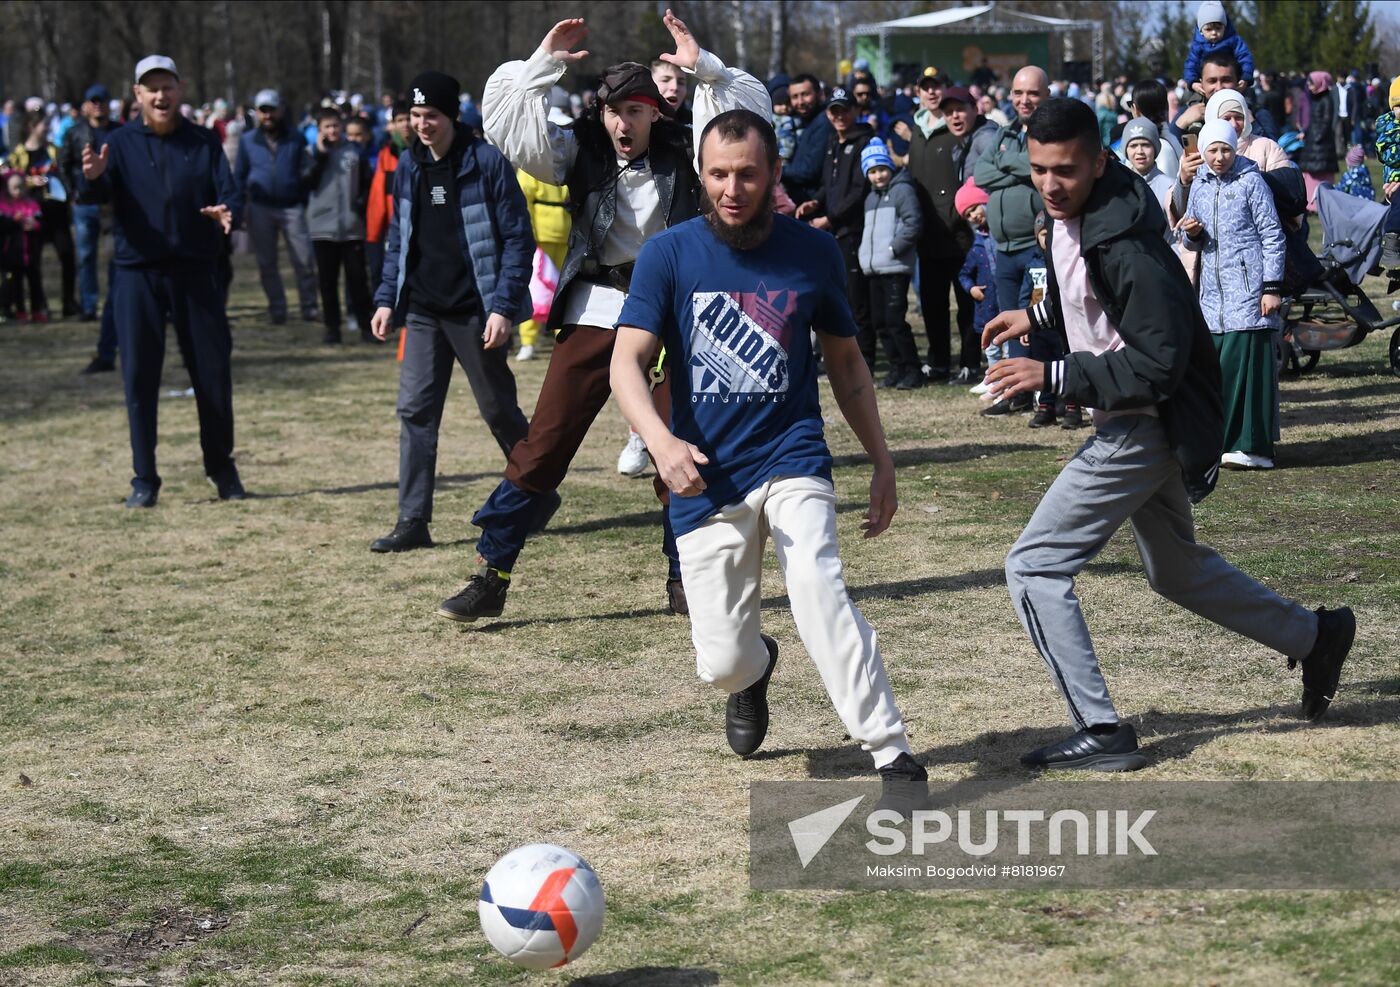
(541, 906)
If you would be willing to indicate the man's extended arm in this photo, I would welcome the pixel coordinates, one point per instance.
(855, 396)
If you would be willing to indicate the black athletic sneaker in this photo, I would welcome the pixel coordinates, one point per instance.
(1009, 406)
(746, 716)
(1322, 668)
(889, 380)
(1073, 418)
(408, 534)
(903, 786)
(142, 497)
(1044, 416)
(911, 380)
(331, 337)
(675, 598)
(1088, 751)
(483, 596)
(964, 376)
(228, 484)
(98, 366)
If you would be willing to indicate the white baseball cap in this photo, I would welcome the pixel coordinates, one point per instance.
(267, 97)
(156, 63)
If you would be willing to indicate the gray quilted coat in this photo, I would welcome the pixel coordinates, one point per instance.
(893, 222)
(1242, 249)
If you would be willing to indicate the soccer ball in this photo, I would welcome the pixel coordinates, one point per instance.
(541, 906)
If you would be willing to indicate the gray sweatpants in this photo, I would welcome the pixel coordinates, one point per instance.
(431, 346)
(1126, 471)
(264, 223)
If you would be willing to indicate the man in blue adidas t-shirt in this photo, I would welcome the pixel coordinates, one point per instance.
(733, 296)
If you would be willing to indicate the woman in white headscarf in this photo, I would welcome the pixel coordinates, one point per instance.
(1227, 104)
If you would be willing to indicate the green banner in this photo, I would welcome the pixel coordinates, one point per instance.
(955, 55)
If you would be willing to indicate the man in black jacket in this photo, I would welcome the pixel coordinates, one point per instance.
(802, 175)
(839, 206)
(1141, 357)
(174, 202)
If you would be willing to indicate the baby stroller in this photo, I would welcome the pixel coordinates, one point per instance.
(1329, 311)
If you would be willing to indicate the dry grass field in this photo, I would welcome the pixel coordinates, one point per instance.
(238, 748)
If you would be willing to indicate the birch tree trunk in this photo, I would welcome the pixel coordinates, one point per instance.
(777, 37)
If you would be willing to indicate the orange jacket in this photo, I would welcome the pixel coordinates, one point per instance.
(380, 208)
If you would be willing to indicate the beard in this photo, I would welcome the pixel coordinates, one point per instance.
(746, 235)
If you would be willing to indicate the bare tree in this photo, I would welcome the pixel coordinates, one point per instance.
(736, 23)
(230, 74)
(777, 37)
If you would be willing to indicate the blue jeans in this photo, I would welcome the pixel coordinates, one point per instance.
(87, 228)
(1012, 291)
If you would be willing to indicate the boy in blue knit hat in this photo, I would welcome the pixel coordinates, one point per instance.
(887, 255)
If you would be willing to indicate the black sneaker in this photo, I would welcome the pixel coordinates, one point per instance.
(331, 337)
(277, 320)
(483, 596)
(549, 503)
(142, 497)
(1088, 751)
(1022, 403)
(1322, 668)
(1044, 417)
(911, 380)
(963, 376)
(746, 716)
(997, 409)
(934, 374)
(903, 786)
(675, 598)
(98, 366)
(408, 534)
(890, 379)
(1073, 419)
(228, 484)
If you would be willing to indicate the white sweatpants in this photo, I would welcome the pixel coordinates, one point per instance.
(722, 567)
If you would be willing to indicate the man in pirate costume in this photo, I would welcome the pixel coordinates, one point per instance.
(630, 176)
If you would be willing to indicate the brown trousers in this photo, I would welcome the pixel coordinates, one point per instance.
(576, 387)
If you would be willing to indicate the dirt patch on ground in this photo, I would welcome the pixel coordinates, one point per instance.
(168, 929)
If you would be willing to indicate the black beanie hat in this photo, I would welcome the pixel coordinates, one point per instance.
(630, 80)
(435, 89)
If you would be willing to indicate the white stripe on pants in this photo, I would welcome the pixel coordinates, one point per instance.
(722, 567)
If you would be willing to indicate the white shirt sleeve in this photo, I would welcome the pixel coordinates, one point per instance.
(720, 89)
(515, 111)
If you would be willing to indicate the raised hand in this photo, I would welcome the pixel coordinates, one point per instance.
(687, 48)
(563, 37)
(94, 164)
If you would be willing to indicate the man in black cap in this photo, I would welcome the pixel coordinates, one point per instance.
(839, 206)
(629, 176)
(456, 273)
(89, 131)
(174, 200)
